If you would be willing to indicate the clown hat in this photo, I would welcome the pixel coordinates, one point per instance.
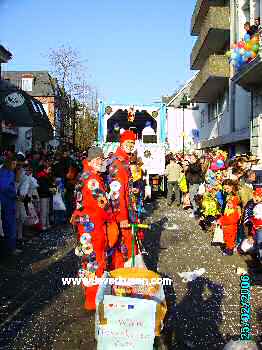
(127, 135)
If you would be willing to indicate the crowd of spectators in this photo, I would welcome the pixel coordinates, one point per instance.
(225, 196)
(29, 183)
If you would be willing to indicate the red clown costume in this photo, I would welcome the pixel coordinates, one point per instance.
(90, 216)
(229, 222)
(121, 195)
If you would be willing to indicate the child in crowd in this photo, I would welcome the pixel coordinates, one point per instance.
(210, 208)
(253, 221)
(231, 213)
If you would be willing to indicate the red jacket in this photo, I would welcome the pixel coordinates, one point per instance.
(120, 182)
(91, 198)
(230, 219)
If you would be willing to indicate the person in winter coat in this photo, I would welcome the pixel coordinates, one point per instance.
(194, 178)
(45, 190)
(255, 221)
(8, 204)
(121, 193)
(174, 174)
(22, 188)
(32, 199)
(91, 215)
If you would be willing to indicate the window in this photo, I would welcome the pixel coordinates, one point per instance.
(218, 107)
(202, 119)
(212, 111)
(27, 84)
(220, 104)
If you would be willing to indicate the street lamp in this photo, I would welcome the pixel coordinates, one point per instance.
(184, 103)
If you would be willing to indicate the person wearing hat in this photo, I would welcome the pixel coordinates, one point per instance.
(90, 217)
(121, 192)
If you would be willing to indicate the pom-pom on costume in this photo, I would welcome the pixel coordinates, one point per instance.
(91, 214)
(121, 195)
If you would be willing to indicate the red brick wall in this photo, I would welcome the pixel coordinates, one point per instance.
(50, 100)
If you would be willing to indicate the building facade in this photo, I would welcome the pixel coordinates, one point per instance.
(225, 110)
(182, 123)
(38, 86)
(5, 56)
(250, 76)
(7, 129)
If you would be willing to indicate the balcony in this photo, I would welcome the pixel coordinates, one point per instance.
(211, 80)
(214, 36)
(200, 12)
(250, 76)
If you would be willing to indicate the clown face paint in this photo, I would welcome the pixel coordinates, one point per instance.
(128, 146)
(97, 164)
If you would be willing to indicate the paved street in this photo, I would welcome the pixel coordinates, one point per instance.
(37, 312)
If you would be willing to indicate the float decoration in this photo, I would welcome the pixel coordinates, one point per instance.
(155, 114)
(131, 115)
(147, 154)
(108, 110)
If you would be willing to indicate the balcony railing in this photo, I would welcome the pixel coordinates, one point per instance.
(211, 80)
(214, 35)
(199, 13)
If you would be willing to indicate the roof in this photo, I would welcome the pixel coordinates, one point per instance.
(178, 95)
(42, 85)
(5, 55)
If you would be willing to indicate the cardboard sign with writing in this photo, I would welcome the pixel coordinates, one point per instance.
(130, 324)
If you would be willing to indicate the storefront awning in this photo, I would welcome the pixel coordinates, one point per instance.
(17, 106)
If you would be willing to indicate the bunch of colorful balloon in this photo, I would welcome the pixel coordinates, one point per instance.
(244, 51)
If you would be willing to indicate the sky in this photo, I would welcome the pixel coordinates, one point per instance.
(135, 51)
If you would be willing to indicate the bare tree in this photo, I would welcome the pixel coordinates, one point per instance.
(68, 69)
(71, 76)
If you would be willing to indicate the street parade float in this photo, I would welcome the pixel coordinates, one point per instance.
(149, 123)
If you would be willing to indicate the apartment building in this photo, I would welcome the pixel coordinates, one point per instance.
(250, 77)
(182, 122)
(225, 108)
